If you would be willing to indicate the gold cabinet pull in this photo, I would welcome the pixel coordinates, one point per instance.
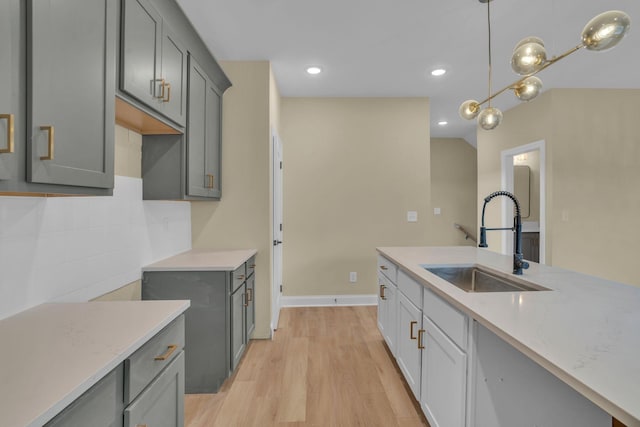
(246, 299)
(411, 325)
(162, 85)
(170, 349)
(382, 296)
(252, 266)
(420, 344)
(168, 86)
(210, 181)
(250, 294)
(9, 119)
(382, 267)
(50, 142)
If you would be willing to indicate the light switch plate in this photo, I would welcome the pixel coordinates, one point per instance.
(412, 216)
(436, 211)
(353, 277)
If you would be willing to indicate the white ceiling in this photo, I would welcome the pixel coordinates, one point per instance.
(387, 48)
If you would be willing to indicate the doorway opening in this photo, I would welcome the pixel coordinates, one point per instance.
(524, 175)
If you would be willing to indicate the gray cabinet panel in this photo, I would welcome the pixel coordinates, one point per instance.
(12, 114)
(238, 326)
(161, 404)
(174, 76)
(140, 60)
(203, 134)
(101, 405)
(251, 306)
(71, 85)
(206, 322)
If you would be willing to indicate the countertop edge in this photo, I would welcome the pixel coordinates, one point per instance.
(181, 262)
(54, 410)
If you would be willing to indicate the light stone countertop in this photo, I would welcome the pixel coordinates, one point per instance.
(203, 260)
(53, 353)
(586, 330)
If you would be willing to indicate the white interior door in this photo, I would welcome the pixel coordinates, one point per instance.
(277, 230)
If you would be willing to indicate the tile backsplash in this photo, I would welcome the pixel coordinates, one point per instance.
(77, 248)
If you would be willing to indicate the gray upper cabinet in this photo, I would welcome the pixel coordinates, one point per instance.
(203, 134)
(71, 85)
(153, 61)
(11, 85)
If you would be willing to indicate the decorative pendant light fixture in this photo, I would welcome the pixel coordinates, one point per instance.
(530, 57)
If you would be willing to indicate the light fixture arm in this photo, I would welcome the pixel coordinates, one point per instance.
(546, 65)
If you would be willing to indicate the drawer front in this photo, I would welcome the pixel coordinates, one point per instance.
(162, 403)
(449, 319)
(238, 277)
(251, 266)
(147, 362)
(410, 288)
(388, 268)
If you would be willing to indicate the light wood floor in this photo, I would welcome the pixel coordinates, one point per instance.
(326, 366)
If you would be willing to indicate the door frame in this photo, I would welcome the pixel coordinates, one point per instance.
(507, 183)
(276, 233)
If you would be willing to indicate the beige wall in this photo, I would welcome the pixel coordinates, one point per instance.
(241, 219)
(453, 189)
(593, 171)
(129, 292)
(353, 168)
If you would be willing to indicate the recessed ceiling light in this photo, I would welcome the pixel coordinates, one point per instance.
(314, 70)
(443, 122)
(438, 72)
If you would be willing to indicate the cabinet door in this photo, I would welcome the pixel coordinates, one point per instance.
(11, 88)
(174, 78)
(444, 380)
(161, 404)
(140, 55)
(409, 355)
(203, 134)
(238, 326)
(251, 306)
(391, 328)
(101, 405)
(382, 304)
(71, 58)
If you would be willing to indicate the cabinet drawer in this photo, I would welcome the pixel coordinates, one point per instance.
(238, 277)
(388, 268)
(251, 266)
(411, 288)
(162, 403)
(451, 321)
(143, 365)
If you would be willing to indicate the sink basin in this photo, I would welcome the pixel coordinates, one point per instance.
(472, 278)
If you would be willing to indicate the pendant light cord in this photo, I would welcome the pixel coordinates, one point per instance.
(489, 27)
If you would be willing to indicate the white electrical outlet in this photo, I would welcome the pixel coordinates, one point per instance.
(436, 211)
(412, 216)
(353, 277)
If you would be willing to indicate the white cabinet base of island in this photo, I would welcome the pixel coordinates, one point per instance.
(464, 375)
(509, 389)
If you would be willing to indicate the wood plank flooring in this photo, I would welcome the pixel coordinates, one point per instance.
(326, 366)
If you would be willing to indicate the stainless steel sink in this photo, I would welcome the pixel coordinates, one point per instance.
(472, 278)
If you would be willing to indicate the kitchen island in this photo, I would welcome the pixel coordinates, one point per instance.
(54, 353)
(584, 330)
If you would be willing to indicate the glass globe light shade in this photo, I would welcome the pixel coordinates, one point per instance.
(605, 30)
(469, 109)
(525, 40)
(528, 89)
(489, 118)
(528, 56)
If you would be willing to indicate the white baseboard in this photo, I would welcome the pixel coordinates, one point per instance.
(328, 300)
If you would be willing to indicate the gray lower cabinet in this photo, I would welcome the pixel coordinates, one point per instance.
(101, 405)
(153, 62)
(56, 104)
(146, 389)
(238, 325)
(218, 323)
(161, 404)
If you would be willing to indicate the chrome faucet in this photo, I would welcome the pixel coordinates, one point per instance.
(518, 262)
